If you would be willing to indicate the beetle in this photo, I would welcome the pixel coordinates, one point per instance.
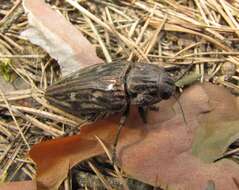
(99, 90)
(102, 89)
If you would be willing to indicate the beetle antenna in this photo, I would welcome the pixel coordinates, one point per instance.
(177, 100)
(184, 72)
(181, 108)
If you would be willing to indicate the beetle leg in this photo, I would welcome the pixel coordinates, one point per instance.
(121, 125)
(143, 113)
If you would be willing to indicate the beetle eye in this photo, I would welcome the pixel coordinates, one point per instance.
(166, 90)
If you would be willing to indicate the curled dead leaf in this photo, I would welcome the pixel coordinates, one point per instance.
(58, 37)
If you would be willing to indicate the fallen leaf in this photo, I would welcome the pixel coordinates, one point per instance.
(218, 129)
(61, 154)
(162, 152)
(58, 37)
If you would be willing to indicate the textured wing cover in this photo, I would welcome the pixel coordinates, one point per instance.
(91, 92)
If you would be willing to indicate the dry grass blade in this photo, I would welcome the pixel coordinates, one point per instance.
(109, 155)
(155, 36)
(107, 151)
(49, 129)
(101, 177)
(104, 49)
(44, 114)
(14, 119)
(12, 15)
(22, 56)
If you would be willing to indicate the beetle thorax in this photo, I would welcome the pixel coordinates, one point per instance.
(147, 84)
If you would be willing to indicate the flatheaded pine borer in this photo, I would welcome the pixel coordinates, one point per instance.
(104, 89)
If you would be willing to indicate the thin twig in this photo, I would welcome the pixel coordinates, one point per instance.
(14, 119)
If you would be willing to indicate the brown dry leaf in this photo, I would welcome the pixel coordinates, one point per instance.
(160, 153)
(58, 37)
(23, 185)
(219, 128)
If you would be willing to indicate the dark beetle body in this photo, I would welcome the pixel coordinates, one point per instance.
(103, 89)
